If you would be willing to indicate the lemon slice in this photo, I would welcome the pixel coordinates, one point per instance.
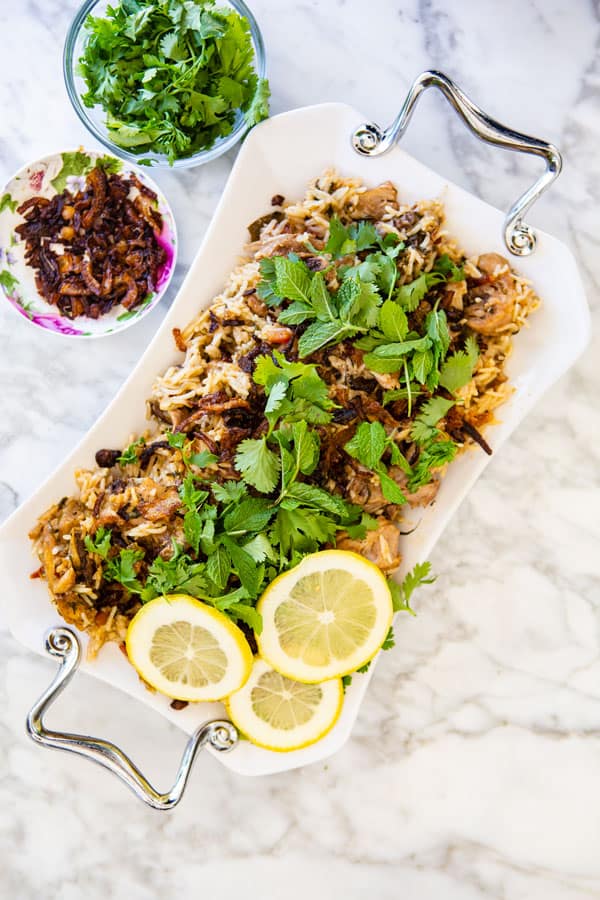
(188, 650)
(326, 617)
(280, 714)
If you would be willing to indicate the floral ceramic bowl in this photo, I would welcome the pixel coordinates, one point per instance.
(47, 177)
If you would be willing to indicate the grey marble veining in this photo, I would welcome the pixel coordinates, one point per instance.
(474, 768)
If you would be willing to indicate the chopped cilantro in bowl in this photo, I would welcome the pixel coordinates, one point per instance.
(167, 82)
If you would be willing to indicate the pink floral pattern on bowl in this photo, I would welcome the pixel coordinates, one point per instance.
(47, 177)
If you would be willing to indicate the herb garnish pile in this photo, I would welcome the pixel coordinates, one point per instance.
(171, 75)
(240, 534)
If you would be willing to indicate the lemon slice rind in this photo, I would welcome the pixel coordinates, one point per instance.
(225, 663)
(381, 614)
(318, 709)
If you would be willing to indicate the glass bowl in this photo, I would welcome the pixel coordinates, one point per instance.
(93, 118)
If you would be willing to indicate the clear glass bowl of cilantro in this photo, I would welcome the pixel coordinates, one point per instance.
(166, 82)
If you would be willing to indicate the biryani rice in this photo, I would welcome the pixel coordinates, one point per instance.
(219, 346)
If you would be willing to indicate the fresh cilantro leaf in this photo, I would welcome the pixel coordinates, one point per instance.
(258, 465)
(122, 569)
(179, 573)
(458, 368)
(248, 572)
(402, 593)
(423, 427)
(129, 455)
(390, 640)
(260, 549)
(243, 612)
(300, 531)
(203, 459)
(448, 268)
(259, 105)
(363, 669)
(433, 454)
(75, 163)
(176, 439)
(99, 543)
(359, 530)
(346, 682)
(7, 202)
(8, 281)
(172, 77)
(338, 235)
(364, 235)
(229, 491)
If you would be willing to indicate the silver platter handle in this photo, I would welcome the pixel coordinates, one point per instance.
(220, 734)
(371, 140)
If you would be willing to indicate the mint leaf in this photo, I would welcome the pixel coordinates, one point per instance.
(317, 498)
(293, 279)
(393, 321)
(320, 333)
(218, 567)
(390, 490)
(368, 444)
(321, 300)
(246, 569)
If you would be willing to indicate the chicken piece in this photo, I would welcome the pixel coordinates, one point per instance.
(278, 245)
(163, 507)
(371, 204)
(489, 306)
(381, 546)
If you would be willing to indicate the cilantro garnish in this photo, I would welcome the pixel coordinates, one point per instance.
(99, 543)
(171, 76)
(129, 455)
(458, 368)
(401, 593)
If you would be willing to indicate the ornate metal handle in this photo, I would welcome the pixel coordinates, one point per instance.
(219, 734)
(371, 140)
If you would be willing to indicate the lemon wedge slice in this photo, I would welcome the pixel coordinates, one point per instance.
(326, 617)
(277, 713)
(188, 650)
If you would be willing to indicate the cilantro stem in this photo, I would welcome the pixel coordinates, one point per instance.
(408, 386)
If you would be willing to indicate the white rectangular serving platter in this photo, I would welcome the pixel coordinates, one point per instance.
(281, 156)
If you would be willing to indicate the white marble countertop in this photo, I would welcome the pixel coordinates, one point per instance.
(474, 768)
